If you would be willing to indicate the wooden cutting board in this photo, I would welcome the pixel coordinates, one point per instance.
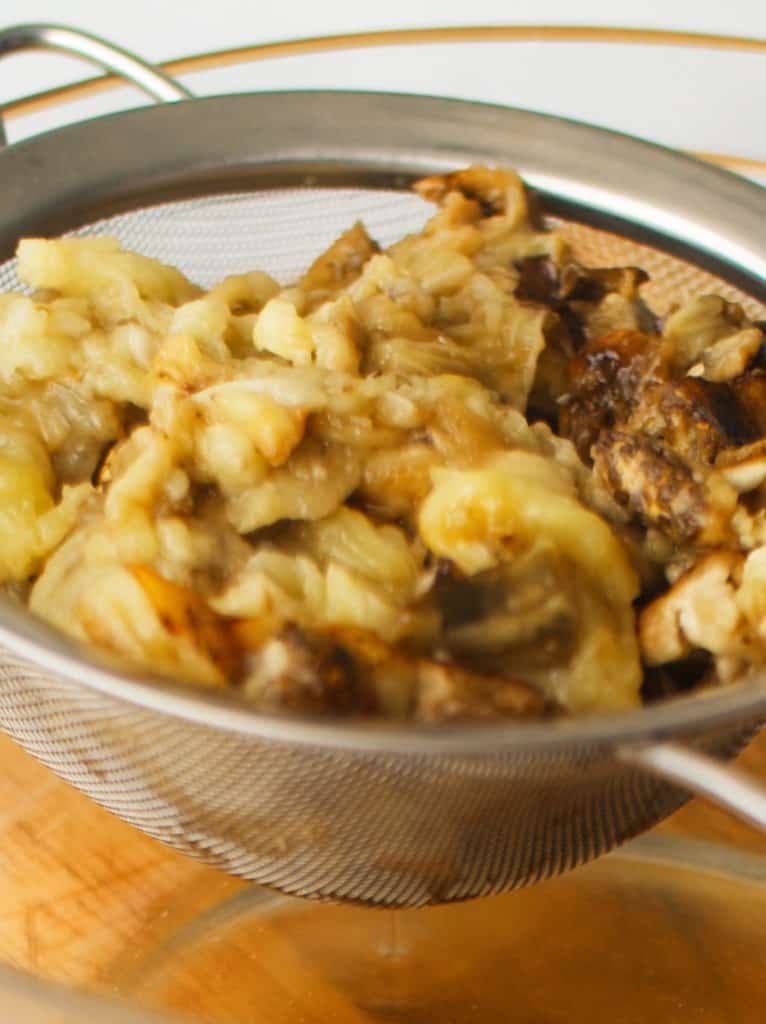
(81, 894)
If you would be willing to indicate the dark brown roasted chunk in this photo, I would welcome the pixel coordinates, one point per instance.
(607, 379)
(659, 488)
(641, 407)
(587, 304)
(541, 280)
(693, 418)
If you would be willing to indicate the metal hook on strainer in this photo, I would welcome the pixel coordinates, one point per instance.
(391, 816)
(153, 81)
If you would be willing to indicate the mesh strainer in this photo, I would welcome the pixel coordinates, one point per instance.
(371, 813)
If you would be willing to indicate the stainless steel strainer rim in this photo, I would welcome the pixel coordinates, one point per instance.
(383, 140)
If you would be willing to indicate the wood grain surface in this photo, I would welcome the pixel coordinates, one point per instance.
(80, 892)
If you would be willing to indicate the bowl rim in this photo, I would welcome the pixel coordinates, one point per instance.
(423, 36)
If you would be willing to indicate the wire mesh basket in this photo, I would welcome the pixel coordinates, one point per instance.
(374, 814)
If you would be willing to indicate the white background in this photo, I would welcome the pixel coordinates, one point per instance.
(691, 99)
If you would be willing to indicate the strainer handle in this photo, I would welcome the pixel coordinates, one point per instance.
(111, 58)
(729, 788)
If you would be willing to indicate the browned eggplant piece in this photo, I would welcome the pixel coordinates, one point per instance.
(495, 191)
(593, 283)
(297, 671)
(750, 393)
(660, 489)
(575, 293)
(607, 379)
(519, 608)
(693, 418)
(541, 280)
(450, 693)
(433, 691)
(186, 615)
(347, 671)
(341, 263)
